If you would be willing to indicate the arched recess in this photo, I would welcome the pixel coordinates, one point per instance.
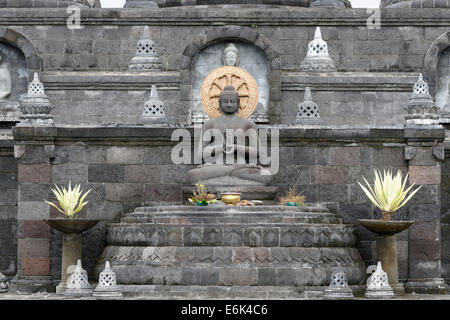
(21, 42)
(431, 60)
(233, 33)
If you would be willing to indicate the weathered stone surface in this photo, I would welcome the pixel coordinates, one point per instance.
(34, 173)
(35, 266)
(424, 174)
(329, 174)
(106, 173)
(32, 210)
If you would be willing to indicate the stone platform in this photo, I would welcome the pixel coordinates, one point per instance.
(227, 246)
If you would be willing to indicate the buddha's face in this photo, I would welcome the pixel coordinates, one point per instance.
(230, 58)
(229, 103)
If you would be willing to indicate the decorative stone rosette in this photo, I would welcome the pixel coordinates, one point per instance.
(4, 284)
(421, 107)
(378, 285)
(146, 58)
(107, 284)
(154, 109)
(308, 111)
(338, 287)
(35, 106)
(317, 58)
(78, 284)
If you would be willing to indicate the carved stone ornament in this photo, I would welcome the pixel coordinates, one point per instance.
(317, 57)
(154, 109)
(377, 284)
(421, 107)
(338, 284)
(308, 111)
(146, 58)
(107, 285)
(35, 106)
(4, 284)
(78, 284)
(216, 81)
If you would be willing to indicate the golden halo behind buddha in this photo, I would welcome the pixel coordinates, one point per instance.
(240, 79)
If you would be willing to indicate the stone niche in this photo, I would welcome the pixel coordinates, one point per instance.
(13, 82)
(443, 81)
(251, 58)
(14, 61)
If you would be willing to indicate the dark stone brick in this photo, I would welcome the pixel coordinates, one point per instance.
(271, 237)
(209, 276)
(142, 174)
(127, 192)
(106, 173)
(35, 192)
(345, 156)
(33, 248)
(424, 249)
(288, 237)
(212, 236)
(253, 237)
(422, 269)
(34, 154)
(35, 266)
(162, 193)
(8, 164)
(192, 236)
(428, 194)
(333, 193)
(35, 229)
(8, 181)
(329, 174)
(424, 212)
(285, 277)
(233, 236)
(34, 173)
(425, 231)
(304, 156)
(267, 276)
(388, 157)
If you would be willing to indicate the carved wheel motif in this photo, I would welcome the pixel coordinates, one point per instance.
(216, 81)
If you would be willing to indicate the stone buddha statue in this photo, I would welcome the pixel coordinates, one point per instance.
(222, 145)
(5, 81)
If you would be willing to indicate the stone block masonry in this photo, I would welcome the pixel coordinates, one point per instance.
(138, 172)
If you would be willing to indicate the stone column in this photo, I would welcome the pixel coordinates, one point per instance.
(33, 252)
(387, 254)
(424, 153)
(72, 247)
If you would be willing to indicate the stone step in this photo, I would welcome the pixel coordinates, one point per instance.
(324, 208)
(229, 234)
(228, 266)
(194, 292)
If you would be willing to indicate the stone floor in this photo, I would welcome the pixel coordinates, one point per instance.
(52, 296)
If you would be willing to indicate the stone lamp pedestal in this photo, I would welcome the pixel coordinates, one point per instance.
(72, 243)
(387, 247)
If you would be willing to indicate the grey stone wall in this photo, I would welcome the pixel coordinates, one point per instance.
(8, 210)
(131, 167)
(108, 41)
(445, 219)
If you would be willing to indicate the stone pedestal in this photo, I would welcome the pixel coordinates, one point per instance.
(387, 254)
(187, 248)
(71, 251)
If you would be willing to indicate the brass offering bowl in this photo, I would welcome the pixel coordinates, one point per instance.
(231, 198)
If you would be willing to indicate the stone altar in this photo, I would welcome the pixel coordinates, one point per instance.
(225, 249)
